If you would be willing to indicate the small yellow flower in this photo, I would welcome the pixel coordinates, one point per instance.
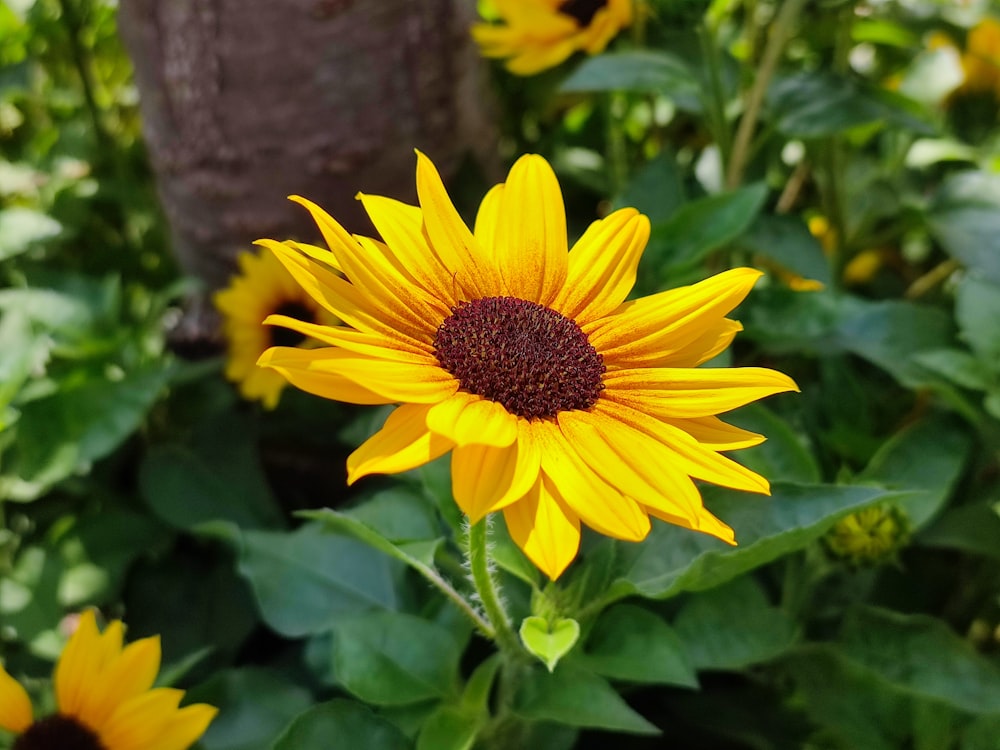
(263, 287)
(981, 59)
(537, 34)
(106, 699)
(559, 401)
(870, 536)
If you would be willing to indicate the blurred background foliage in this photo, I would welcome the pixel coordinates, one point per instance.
(862, 609)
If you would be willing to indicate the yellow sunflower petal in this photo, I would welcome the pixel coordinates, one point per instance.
(602, 266)
(598, 504)
(544, 527)
(540, 57)
(368, 344)
(338, 297)
(403, 443)
(706, 523)
(487, 221)
(450, 237)
(655, 326)
(716, 435)
(668, 392)
(15, 706)
(345, 376)
(186, 726)
(79, 662)
(466, 419)
(485, 479)
(713, 340)
(689, 456)
(136, 724)
(129, 675)
(401, 227)
(530, 232)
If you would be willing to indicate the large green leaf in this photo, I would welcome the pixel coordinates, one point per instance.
(29, 605)
(733, 626)
(787, 240)
(926, 459)
(673, 559)
(308, 579)
(349, 721)
(849, 702)
(701, 226)
(656, 190)
(393, 658)
(920, 655)
(890, 334)
(821, 104)
(971, 528)
(217, 477)
(977, 311)
(633, 644)
(965, 219)
(255, 705)
(67, 431)
(576, 696)
(638, 70)
(784, 456)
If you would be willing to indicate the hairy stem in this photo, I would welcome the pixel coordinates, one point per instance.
(489, 591)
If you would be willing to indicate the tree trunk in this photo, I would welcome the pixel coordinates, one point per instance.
(247, 101)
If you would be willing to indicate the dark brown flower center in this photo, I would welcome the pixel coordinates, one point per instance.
(582, 10)
(58, 732)
(285, 337)
(523, 355)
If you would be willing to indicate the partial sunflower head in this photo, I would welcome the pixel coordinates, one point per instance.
(559, 401)
(533, 35)
(105, 699)
(261, 288)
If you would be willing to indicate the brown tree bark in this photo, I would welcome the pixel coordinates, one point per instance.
(247, 101)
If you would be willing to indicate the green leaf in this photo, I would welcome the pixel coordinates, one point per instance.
(255, 705)
(637, 70)
(965, 218)
(926, 459)
(656, 190)
(217, 477)
(787, 240)
(822, 104)
(318, 727)
(198, 580)
(67, 431)
(29, 605)
(98, 550)
(448, 728)
(921, 656)
(633, 644)
(733, 627)
(701, 226)
(419, 555)
(673, 559)
(394, 659)
(308, 579)
(889, 334)
(549, 641)
(849, 702)
(956, 365)
(398, 514)
(783, 457)
(971, 528)
(22, 228)
(977, 310)
(577, 697)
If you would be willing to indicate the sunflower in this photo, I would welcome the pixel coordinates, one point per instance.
(539, 34)
(262, 287)
(106, 699)
(560, 401)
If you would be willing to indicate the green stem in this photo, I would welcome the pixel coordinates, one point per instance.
(617, 152)
(489, 590)
(481, 623)
(716, 103)
(781, 31)
(82, 63)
